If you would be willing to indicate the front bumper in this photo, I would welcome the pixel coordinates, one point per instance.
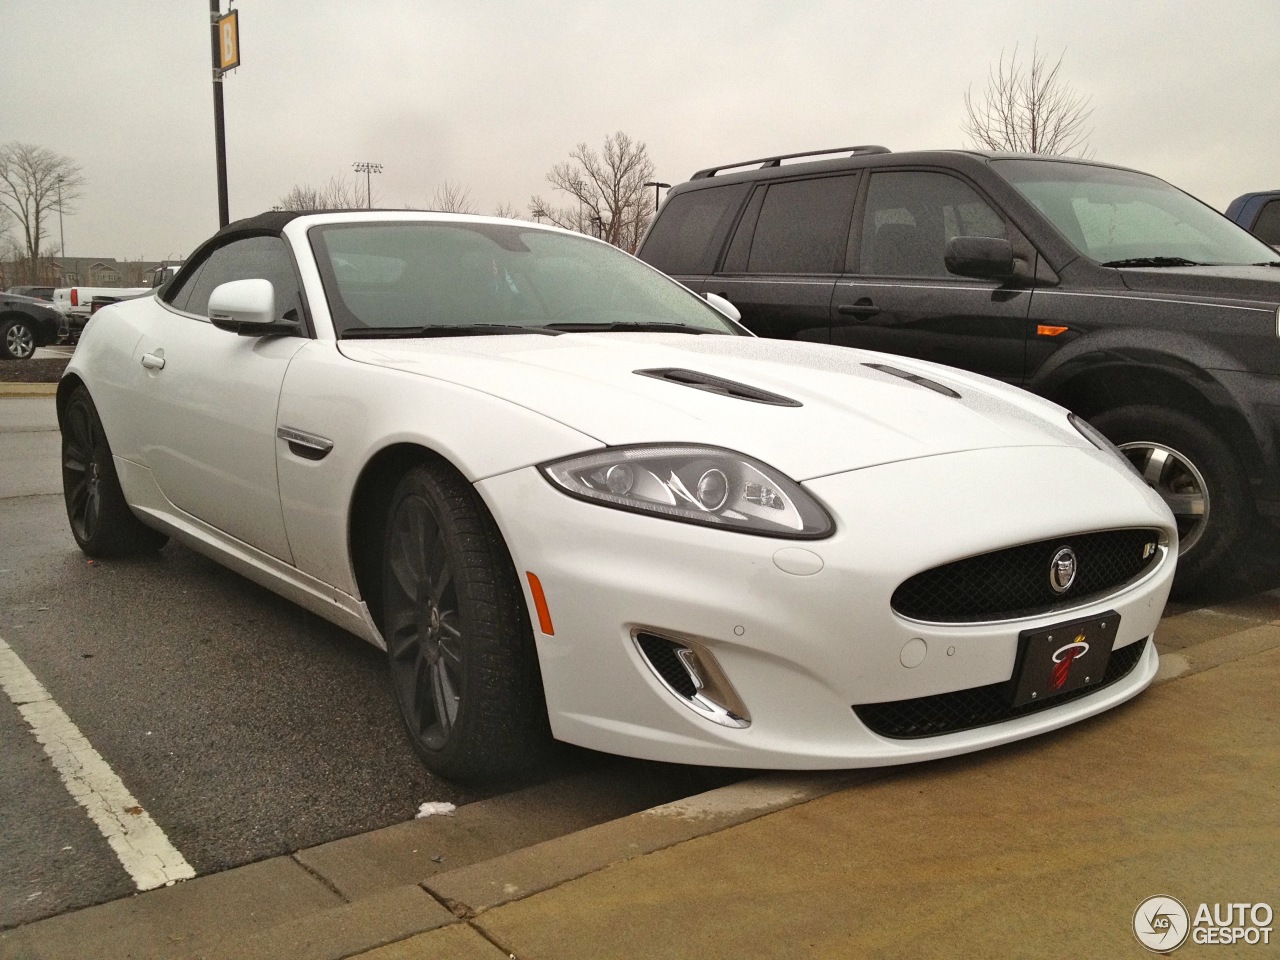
(802, 648)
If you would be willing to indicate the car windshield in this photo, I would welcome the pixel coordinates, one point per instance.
(433, 278)
(1121, 218)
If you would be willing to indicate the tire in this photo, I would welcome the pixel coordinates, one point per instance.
(101, 520)
(1198, 476)
(460, 647)
(17, 339)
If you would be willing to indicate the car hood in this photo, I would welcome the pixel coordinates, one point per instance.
(842, 414)
(1243, 283)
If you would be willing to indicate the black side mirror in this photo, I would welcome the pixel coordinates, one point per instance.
(986, 258)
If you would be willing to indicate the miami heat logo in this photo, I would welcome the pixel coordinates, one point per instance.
(1063, 657)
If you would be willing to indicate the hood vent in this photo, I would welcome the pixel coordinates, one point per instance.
(914, 378)
(727, 388)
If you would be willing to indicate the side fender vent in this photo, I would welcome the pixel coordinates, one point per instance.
(727, 388)
(691, 672)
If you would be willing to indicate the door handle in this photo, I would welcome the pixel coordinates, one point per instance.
(861, 309)
(152, 362)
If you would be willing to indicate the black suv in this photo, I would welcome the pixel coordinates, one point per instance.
(1104, 289)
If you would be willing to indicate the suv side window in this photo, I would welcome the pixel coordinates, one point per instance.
(803, 226)
(1267, 227)
(909, 218)
(250, 258)
(687, 237)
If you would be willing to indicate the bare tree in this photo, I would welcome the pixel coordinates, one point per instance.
(339, 193)
(608, 198)
(1028, 109)
(33, 181)
(507, 210)
(453, 197)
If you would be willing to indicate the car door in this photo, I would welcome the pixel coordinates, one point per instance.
(782, 263)
(898, 296)
(207, 428)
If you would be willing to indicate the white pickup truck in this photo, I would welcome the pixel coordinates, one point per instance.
(76, 303)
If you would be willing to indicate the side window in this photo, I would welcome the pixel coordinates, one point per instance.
(803, 226)
(1267, 227)
(263, 258)
(911, 215)
(687, 236)
(179, 293)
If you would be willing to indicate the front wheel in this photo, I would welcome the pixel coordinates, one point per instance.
(1197, 475)
(17, 339)
(459, 643)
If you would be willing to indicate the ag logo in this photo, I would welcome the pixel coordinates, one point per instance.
(1161, 924)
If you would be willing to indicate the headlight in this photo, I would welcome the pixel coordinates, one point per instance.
(1094, 436)
(694, 484)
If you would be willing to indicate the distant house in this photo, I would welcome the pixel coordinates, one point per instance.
(83, 272)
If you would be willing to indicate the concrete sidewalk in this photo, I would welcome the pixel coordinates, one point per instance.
(1043, 848)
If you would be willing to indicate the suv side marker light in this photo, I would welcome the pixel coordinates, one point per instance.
(1048, 330)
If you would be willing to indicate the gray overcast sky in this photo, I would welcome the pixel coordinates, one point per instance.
(492, 93)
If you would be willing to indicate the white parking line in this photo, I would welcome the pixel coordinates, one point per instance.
(141, 846)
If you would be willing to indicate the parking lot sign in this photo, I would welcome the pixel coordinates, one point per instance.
(229, 41)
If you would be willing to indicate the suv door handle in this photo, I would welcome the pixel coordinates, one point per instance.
(152, 362)
(862, 309)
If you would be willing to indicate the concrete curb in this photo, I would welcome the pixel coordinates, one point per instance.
(26, 391)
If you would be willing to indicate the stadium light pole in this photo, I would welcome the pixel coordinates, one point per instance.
(363, 166)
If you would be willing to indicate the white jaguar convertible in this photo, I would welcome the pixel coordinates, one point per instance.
(572, 499)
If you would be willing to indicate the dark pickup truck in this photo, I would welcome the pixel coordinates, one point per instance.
(1102, 288)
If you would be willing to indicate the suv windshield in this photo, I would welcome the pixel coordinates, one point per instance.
(1121, 218)
(429, 278)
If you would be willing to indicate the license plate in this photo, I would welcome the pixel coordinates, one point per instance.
(1065, 657)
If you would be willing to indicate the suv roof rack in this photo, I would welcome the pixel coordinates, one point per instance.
(764, 162)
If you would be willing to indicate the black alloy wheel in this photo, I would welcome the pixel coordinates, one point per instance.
(101, 521)
(459, 642)
(17, 340)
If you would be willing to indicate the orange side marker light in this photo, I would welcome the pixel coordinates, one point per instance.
(1049, 330)
(540, 604)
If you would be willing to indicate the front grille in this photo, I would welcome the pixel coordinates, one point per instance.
(1015, 582)
(978, 706)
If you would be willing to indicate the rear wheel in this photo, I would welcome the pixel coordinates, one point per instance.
(462, 659)
(17, 339)
(1199, 478)
(101, 520)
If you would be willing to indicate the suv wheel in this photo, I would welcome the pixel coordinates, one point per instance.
(1197, 475)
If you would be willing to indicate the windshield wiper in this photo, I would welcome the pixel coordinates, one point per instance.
(628, 327)
(1154, 262)
(460, 330)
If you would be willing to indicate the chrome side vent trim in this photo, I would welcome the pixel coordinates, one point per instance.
(915, 378)
(309, 446)
(692, 674)
(711, 384)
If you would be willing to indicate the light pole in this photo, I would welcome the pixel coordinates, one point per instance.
(363, 166)
(657, 185)
(62, 236)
